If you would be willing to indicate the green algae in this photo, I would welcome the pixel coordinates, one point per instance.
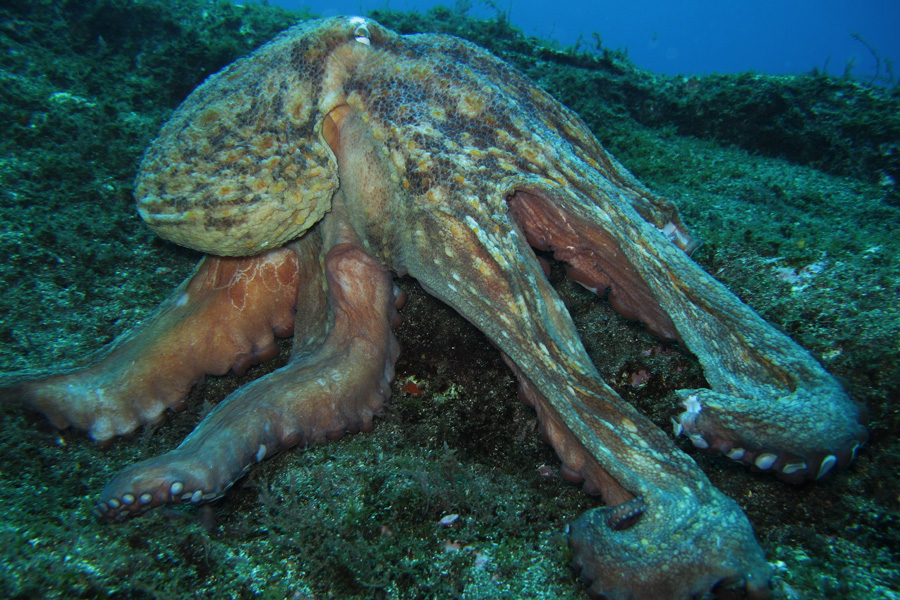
(788, 180)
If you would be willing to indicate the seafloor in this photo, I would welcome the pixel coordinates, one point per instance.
(791, 182)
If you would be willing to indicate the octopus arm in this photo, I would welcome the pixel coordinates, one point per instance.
(338, 378)
(770, 405)
(225, 316)
(668, 533)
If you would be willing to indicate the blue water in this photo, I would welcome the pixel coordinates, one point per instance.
(696, 36)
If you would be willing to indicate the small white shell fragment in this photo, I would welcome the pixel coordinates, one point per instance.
(448, 520)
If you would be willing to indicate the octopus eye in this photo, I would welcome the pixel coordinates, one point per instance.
(361, 32)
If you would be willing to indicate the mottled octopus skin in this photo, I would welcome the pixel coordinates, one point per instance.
(342, 151)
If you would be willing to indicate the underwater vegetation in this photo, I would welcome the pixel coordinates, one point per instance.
(790, 181)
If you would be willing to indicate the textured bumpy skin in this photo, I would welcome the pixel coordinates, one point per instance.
(242, 172)
(428, 156)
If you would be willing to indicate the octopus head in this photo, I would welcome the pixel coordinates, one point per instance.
(242, 165)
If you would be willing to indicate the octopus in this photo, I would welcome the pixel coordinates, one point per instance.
(342, 155)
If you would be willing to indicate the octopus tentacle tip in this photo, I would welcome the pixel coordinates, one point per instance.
(720, 424)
